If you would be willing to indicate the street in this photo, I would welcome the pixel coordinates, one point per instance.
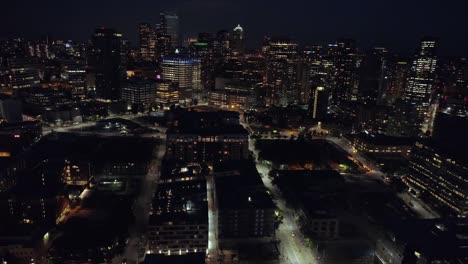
(136, 241)
(292, 248)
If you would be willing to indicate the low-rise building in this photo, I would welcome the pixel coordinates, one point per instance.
(139, 91)
(379, 144)
(178, 222)
(207, 137)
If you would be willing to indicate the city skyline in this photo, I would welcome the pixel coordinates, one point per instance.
(229, 132)
(397, 25)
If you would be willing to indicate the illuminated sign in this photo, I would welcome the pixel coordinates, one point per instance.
(200, 44)
(5, 154)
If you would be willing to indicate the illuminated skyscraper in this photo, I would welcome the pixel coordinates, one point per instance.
(281, 57)
(421, 80)
(147, 42)
(237, 39)
(74, 71)
(419, 87)
(318, 103)
(346, 62)
(185, 71)
(169, 24)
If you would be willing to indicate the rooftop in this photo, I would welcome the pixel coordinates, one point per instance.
(381, 139)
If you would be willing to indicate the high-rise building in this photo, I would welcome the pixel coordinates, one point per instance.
(185, 71)
(74, 71)
(169, 24)
(318, 103)
(419, 87)
(303, 80)
(147, 42)
(371, 72)
(222, 44)
(139, 91)
(237, 39)
(22, 72)
(395, 77)
(280, 79)
(346, 63)
(203, 49)
(421, 79)
(105, 62)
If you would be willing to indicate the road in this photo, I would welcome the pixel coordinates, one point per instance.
(136, 246)
(292, 247)
(212, 221)
(418, 206)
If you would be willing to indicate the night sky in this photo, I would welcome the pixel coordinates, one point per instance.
(396, 24)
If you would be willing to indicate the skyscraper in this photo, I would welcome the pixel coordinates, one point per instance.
(169, 24)
(237, 39)
(105, 62)
(420, 86)
(185, 71)
(74, 71)
(421, 80)
(371, 73)
(345, 60)
(318, 103)
(281, 57)
(147, 42)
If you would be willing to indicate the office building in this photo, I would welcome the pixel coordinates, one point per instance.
(222, 45)
(380, 144)
(169, 25)
(230, 100)
(419, 87)
(74, 71)
(237, 39)
(23, 72)
(147, 37)
(280, 79)
(185, 71)
(372, 74)
(167, 93)
(439, 176)
(105, 62)
(318, 103)
(139, 91)
(203, 50)
(207, 137)
(345, 61)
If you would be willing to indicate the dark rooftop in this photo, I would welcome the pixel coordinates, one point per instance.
(192, 258)
(380, 139)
